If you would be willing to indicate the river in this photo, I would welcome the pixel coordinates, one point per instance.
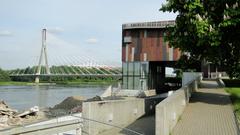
(24, 97)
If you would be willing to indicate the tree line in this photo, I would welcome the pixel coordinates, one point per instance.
(4, 76)
(63, 70)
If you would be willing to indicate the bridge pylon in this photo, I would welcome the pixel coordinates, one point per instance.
(43, 54)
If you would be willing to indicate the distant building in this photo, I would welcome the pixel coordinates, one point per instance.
(145, 55)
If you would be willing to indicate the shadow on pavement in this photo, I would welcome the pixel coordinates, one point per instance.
(210, 98)
(144, 125)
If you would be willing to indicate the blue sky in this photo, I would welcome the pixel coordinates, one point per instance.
(76, 28)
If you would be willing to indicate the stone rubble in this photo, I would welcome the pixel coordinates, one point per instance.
(10, 117)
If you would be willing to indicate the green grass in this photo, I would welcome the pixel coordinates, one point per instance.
(86, 82)
(76, 82)
(235, 97)
(13, 83)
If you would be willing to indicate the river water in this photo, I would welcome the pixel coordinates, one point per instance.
(24, 97)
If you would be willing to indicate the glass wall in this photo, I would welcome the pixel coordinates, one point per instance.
(135, 75)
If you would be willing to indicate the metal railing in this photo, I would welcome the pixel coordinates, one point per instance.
(60, 127)
(158, 24)
(112, 125)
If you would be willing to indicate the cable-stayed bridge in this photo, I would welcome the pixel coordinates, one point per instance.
(71, 66)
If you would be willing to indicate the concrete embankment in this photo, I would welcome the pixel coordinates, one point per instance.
(120, 112)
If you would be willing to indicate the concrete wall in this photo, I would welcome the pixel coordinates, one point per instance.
(150, 104)
(116, 112)
(107, 92)
(189, 76)
(135, 93)
(113, 112)
(128, 92)
(169, 111)
(148, 93)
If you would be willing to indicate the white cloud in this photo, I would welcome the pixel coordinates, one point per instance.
(55, 30)
(6, 33)
(92, 41)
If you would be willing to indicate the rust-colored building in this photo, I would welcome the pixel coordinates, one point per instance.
(145, 55)
(145, 42)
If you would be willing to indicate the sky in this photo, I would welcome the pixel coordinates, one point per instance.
(76, 29)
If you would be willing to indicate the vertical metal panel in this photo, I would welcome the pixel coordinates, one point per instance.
(149, 41)
(167, 51)
(145, 57)
(133, 51)
(160, 48)
(123, 53)
(164, 55)
(171, 54)
(126, 53)
(145, 33)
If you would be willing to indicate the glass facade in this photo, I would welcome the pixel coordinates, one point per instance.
(135, 75)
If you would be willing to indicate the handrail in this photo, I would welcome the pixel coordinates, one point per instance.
(22, 130)
(32, 129)
(122, 128)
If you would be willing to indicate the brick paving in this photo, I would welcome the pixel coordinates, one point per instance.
(209, 112)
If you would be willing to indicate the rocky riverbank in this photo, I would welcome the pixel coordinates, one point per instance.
(10, 117)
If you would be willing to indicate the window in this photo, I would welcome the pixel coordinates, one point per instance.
(135, 75)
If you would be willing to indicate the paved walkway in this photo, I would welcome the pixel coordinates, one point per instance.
(144, 126)
(209, 112)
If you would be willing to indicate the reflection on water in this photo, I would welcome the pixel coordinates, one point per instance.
(24, 97)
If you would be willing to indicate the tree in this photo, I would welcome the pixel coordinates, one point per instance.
(207, 30)
(4, 76)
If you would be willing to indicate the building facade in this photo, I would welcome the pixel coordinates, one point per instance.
(145, 55)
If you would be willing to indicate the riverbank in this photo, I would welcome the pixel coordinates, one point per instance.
(13, 83)
(70, 83)
(10, 117)
(65, 83)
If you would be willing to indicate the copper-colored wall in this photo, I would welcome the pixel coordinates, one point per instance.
(153, 45)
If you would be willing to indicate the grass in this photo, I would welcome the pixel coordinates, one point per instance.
(235, 97)
(70, 83)
(13, 83)
(85, 83)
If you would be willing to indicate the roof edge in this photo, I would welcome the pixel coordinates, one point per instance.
(155, 24)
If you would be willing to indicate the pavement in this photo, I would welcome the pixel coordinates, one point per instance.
(143, 126)
(210, 112)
